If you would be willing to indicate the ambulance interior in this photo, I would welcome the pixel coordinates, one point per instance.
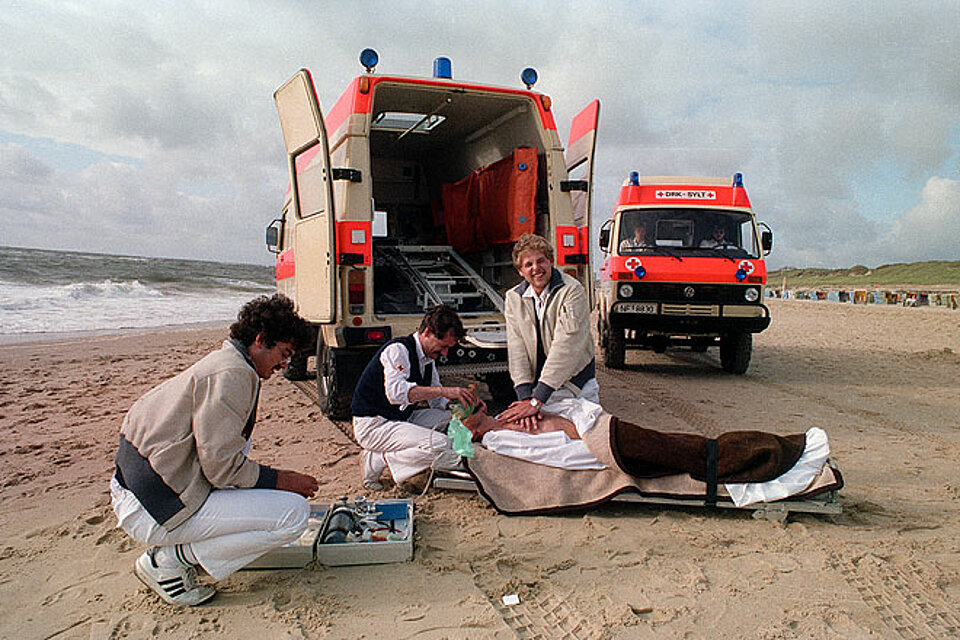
(457, 177)
(688, 232)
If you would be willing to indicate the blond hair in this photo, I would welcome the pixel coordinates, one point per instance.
(531, 242)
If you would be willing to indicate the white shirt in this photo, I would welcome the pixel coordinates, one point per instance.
(539, 301)
(554, 449)
(396, 365)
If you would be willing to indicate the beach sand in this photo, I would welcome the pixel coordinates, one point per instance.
(882, 381)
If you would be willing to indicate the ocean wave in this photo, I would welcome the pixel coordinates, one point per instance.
(48, 291)
(110, 289)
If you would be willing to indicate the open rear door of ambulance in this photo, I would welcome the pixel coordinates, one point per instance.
(308, 162)
(579, 160)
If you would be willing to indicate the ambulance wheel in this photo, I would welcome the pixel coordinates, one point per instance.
(735, 352)
(296, 369)
(332, 403)
(614, 348)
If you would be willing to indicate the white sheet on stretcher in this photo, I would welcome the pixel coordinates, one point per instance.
(556, 449)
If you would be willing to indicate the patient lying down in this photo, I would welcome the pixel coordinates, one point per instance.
(753, 465)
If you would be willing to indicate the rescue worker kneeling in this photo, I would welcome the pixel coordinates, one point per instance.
(183, 480)
(387, 424)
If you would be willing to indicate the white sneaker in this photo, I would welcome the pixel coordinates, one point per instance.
(175, 585)
(372, 464)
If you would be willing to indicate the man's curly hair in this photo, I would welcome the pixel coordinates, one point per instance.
(275, 318)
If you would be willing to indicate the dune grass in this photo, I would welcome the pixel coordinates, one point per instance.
(905, 274)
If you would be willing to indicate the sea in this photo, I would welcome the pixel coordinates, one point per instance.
(67, 292)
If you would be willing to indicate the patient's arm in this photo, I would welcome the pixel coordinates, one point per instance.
(480, 423)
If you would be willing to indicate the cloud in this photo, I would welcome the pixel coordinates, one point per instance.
(930, 230)
(841, 116)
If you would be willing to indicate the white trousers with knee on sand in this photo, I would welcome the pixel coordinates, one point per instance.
(411, 446)
(233, 528)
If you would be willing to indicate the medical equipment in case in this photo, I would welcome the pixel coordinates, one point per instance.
(349, 533)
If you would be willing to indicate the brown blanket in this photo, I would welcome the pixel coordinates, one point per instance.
(516, 486)
(735, 456)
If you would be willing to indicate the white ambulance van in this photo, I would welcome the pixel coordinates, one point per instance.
(410, 192)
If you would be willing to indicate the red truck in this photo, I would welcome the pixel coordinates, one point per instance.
(683, 266)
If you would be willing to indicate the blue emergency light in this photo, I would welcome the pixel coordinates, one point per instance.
(529, 77)
(634, 178)
(442, 68)
(640, 272)
(738, 180)
(369, 59)
(741, 274)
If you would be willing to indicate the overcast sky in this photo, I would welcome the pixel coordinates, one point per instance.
(149, 128)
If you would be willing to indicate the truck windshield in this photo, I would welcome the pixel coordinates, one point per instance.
(696, 232)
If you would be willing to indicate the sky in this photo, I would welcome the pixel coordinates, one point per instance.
(150, 129)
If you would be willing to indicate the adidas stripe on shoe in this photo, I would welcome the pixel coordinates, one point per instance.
(174, 585)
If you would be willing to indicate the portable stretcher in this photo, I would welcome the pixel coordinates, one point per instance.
(821, 497)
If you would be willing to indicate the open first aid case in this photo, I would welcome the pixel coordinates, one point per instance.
(348, 532)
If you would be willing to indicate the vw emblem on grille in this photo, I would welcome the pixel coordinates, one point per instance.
(689, 292)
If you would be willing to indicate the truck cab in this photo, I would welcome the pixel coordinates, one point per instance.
(683, 265)
(410, 192)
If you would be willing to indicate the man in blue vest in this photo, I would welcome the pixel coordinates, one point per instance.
(387, 424)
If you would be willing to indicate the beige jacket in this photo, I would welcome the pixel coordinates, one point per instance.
(186, 436)
(566, 337)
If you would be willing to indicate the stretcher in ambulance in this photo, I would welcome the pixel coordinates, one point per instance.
(683, 266)
(411, 192)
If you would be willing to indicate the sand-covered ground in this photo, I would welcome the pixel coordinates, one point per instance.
(884, 383)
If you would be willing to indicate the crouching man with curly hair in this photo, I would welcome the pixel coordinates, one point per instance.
(183, 481)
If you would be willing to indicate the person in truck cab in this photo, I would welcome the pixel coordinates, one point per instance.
(717, 239)
(638, 241)
(549, 343)
(388, 423)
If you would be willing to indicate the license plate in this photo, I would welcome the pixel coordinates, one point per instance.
(637, 307)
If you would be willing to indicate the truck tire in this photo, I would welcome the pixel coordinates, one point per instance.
(614, 348)
(735, 352)
(332, 402)
(296, 369)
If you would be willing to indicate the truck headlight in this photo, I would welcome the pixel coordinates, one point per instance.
(751, 294)
(626, 291)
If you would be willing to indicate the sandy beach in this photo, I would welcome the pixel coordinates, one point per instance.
(882, 381)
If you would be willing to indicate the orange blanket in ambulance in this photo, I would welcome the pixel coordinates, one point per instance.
(494, 204)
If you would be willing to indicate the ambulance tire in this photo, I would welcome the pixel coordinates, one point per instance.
(735, 352)
(296, 369)
(333, 403)
(614, 348)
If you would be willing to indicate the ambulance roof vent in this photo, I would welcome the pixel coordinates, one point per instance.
(442, 68)
(738, 180)
(369, 59)
(529, 77)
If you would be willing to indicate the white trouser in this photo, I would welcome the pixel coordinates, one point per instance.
(408, 447)
(233, 528)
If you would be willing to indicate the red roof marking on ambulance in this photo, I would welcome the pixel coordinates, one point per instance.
(584, 122)
(650, 194)
(352, 101)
